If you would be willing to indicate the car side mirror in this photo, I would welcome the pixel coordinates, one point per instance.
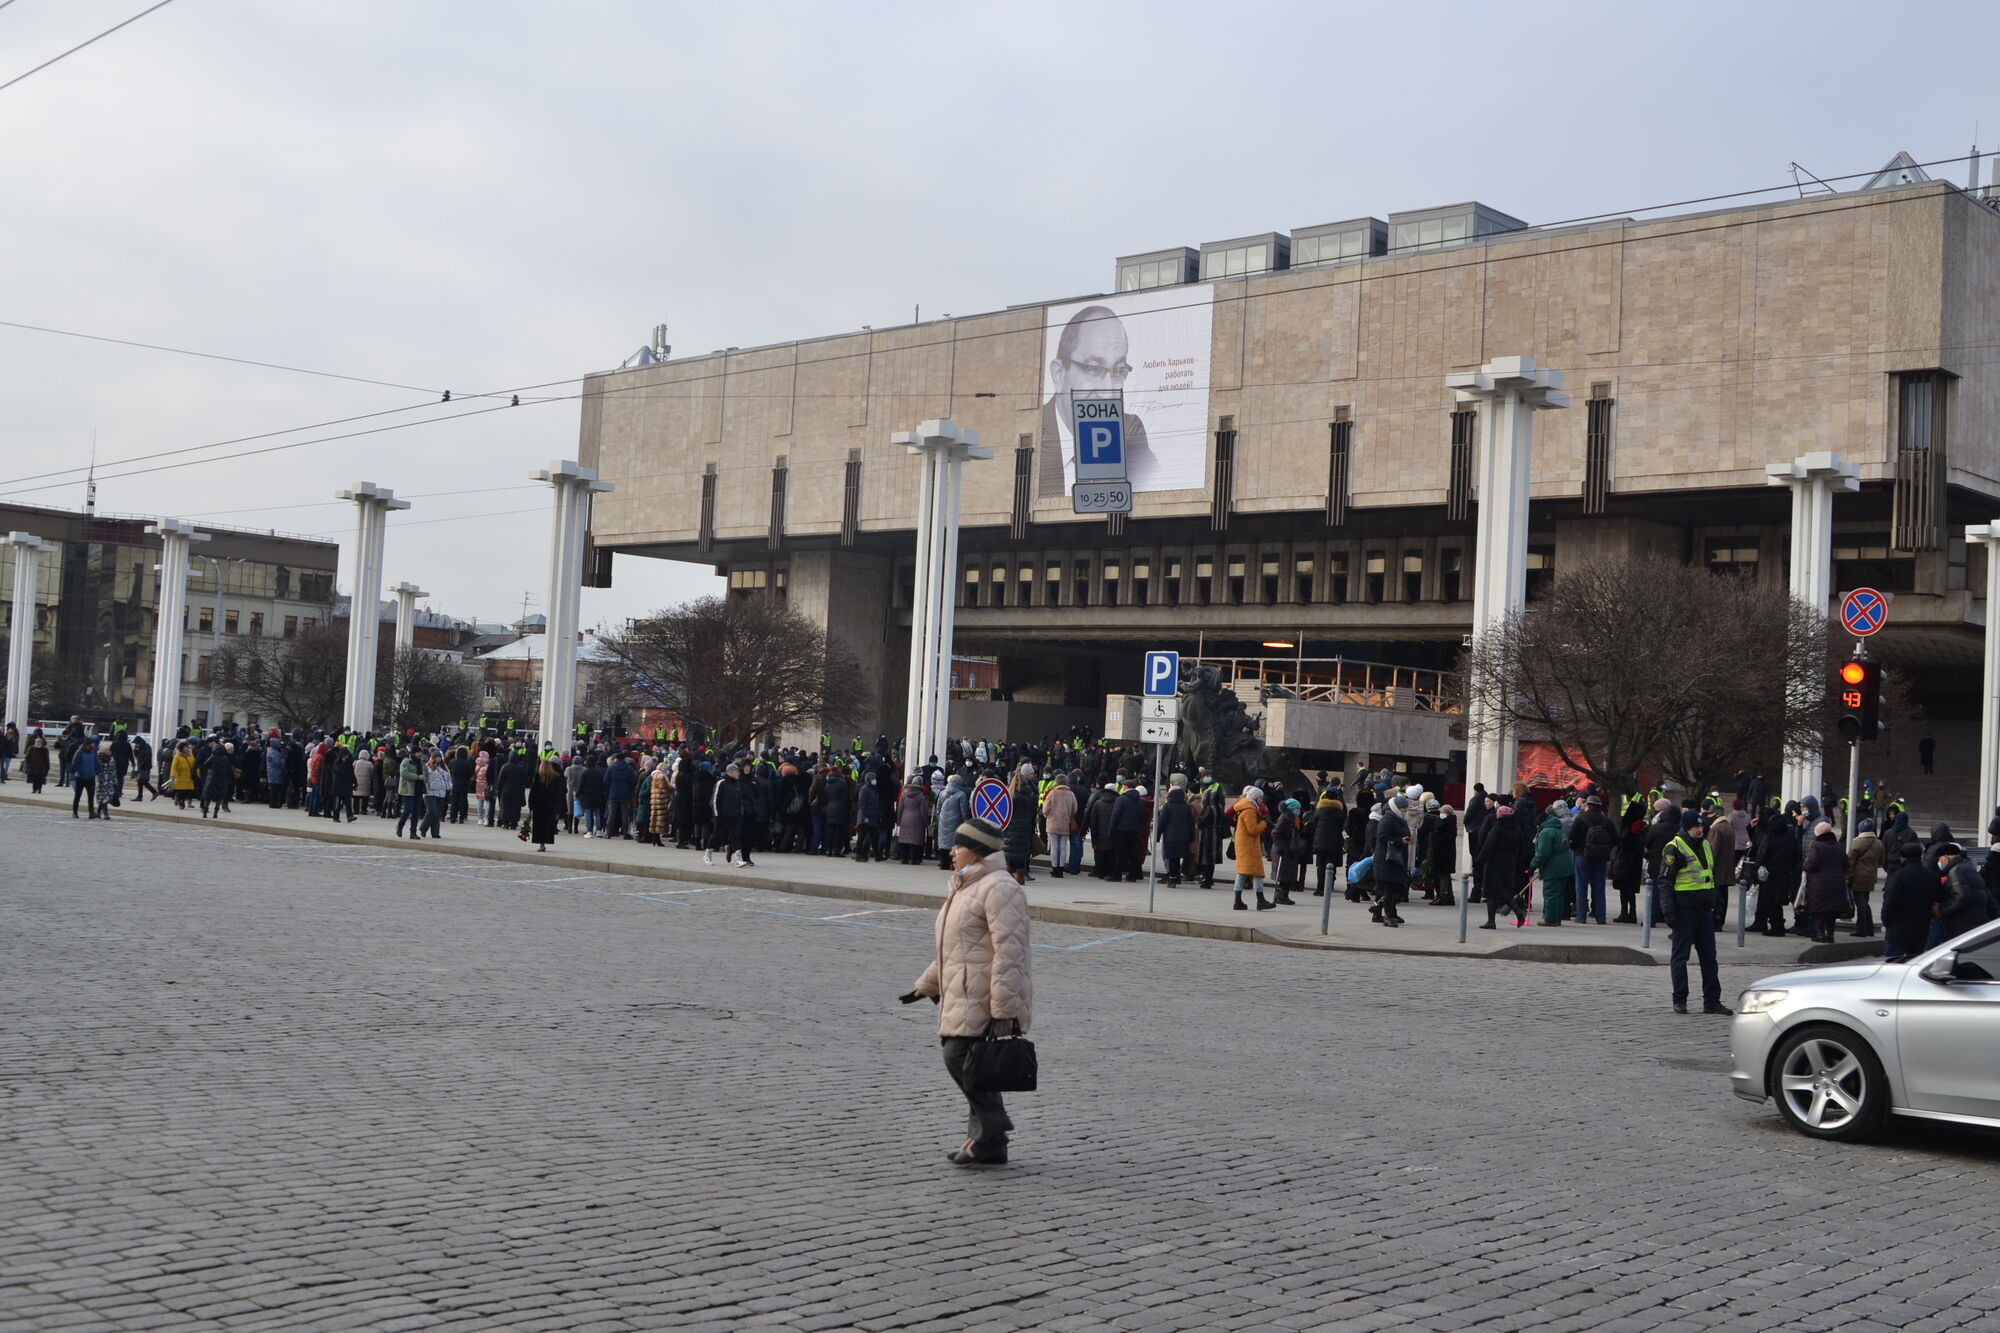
(1942, 969)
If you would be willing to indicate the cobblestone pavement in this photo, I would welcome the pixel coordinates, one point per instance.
(255, 1082)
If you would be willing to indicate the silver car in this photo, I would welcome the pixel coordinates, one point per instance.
(1841, 1048)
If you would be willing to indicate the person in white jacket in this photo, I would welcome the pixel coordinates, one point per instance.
(981, 979)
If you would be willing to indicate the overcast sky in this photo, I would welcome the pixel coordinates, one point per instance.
(478, 196)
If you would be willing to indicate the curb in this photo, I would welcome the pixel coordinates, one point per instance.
(1590, 954)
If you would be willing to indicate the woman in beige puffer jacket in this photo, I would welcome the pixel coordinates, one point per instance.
(980, 979)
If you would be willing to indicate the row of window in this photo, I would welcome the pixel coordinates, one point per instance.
(1208, 580)
(204, 622)
(1860, 560)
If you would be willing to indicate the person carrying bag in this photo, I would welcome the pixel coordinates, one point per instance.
(982, 984)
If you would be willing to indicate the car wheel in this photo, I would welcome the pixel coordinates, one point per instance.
(1829, 1084)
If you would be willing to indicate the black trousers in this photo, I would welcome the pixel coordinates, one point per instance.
(986, 1122)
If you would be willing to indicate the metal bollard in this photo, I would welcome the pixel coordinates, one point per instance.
(1742, 907)
(1646, 911)
(1326, 902)
(1464, 904)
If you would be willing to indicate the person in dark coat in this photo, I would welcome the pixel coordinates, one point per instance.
(546, 798)
(839, 811)
(1441, 856)
(339, 783)
(1209, 833)
(1393, 850)
(1666, 826)
(1826, 881)
(1909, 902)
(515, 779)
(868, 819)
(1174, 827)
(590, 794)
(1097, 820)
(1775, 854)
(1128, 833)
(913, 817)
(1966, 904)
(1495, 869)
(1328, 835)
(1357, 837)
(1628, 863)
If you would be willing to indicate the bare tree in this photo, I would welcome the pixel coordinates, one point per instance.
(416, 688)
(738, 666)
(298, 681)
(1625, 665)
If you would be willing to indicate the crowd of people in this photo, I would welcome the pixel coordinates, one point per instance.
(1385, 843)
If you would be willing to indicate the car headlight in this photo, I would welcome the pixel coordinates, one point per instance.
(1759, 1001)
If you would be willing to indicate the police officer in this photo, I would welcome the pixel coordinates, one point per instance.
(1691, 896)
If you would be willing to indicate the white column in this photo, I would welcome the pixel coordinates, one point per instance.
(939, 729)
(944, 447)
(406, 614)
(923, 596)
(1988, 535)
(364, 631)
(170, 624)
(28, 550)
(1813, 479)
(1511, 388)
(570, 519)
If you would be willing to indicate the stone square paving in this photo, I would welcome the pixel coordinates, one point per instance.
(256, 1081)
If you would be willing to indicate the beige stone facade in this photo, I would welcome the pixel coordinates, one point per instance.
(1725, 341)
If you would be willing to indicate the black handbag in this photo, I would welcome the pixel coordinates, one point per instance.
(1001, 1064)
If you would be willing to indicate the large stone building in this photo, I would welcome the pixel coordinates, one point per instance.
(1305, 478)
(97, 597)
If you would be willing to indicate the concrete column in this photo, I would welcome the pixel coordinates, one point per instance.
(938, 728)
(406, 614)
(1510, 388)
(1813, 480)
(572, 486)
(364, 608)
(170, 623)
(923, 596)
(28, 550)
(1988, 536)
(943, 446)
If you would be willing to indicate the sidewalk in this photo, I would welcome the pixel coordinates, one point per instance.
(1076, 901)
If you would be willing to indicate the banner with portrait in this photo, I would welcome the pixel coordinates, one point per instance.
(1153, 345)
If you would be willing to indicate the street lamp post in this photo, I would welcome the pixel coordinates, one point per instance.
(170, 623)
(573, 486)
(1511, 389)
(944, 448)
(406, 614)
(364, 606)
(1988, 536)
(1813, 480)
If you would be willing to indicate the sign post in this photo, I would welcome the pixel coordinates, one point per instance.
(1863, 612)
(1159, 725)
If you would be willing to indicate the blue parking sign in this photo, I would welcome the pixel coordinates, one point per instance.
(1100, 437)
(1163, 674)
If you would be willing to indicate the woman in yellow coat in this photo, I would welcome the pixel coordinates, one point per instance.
(1250, 825)
(183, 774)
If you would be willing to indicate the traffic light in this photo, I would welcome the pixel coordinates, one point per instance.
(1860, 688)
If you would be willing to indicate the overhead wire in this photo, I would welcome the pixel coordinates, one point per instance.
(213, 356)
(80, 45)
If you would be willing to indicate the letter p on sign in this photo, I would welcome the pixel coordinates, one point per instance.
(1163, 674)
(1102, 443)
